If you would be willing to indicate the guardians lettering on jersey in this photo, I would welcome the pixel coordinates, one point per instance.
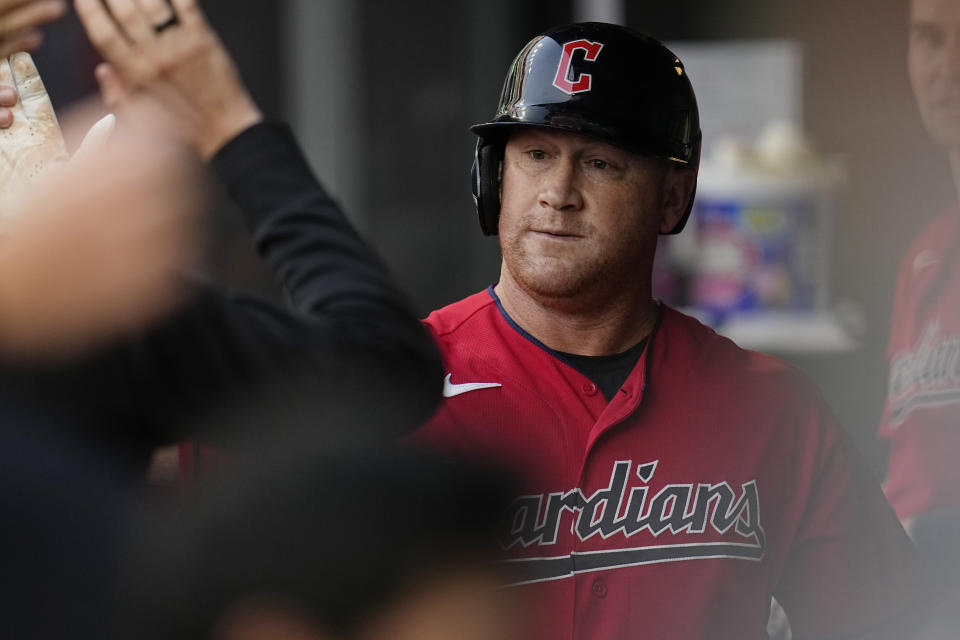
(927, 375)
(712, 510)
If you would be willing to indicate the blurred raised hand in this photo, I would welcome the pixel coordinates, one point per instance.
(92, 249)
(169, 52)
(20, 21)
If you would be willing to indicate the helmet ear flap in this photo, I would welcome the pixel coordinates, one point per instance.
(696, 170)
(485, 174)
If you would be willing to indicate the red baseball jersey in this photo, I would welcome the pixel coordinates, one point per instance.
(714, 478)
(922, 413)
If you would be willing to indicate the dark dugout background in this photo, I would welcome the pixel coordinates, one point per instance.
(382, 94)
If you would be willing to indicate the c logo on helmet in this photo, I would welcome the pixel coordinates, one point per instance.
(582, 83)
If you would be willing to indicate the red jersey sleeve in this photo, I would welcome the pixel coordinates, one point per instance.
(851, 563)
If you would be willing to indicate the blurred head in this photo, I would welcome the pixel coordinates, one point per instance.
(934, 67)
(455, 604)
(371, 545)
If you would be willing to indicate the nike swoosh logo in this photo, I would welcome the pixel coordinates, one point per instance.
(450, 389)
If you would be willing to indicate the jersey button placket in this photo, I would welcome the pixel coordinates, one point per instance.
(599, 588)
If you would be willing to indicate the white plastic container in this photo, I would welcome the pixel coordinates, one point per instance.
(763, 228)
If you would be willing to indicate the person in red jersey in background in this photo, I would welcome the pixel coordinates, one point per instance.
(922, 410)
(673, 481)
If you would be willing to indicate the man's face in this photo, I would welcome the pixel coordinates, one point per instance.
(934, 66)
(579, 217)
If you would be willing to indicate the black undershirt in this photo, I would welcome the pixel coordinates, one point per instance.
(607, 372)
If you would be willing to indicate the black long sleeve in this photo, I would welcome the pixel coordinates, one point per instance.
(350, 356)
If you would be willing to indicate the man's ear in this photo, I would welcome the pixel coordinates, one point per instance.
(678, 183)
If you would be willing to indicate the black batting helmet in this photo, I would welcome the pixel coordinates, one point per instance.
(598, 79)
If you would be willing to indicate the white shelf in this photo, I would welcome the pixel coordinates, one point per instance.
(808, 333)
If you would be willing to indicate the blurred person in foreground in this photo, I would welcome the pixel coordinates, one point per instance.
(120, 217)
(351, 348)
(87, 250)
(362, 544)
(921, 417)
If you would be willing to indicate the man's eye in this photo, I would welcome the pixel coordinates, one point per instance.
(537, 154)
(599, 164)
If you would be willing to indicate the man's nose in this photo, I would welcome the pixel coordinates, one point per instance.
(559, 188)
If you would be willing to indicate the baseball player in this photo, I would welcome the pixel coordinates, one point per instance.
(674, 481)
(923, 398)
